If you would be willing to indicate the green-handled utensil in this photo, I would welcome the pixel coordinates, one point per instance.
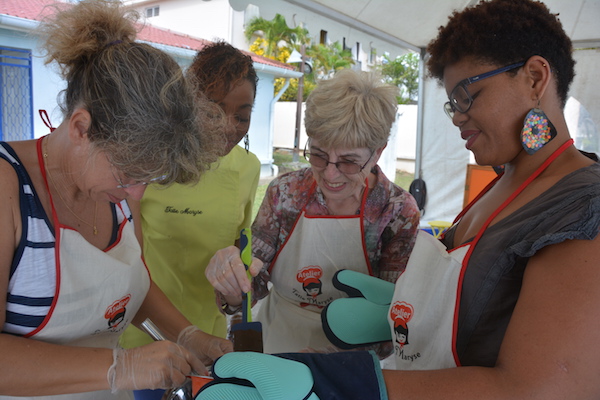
(246, 256)
(247, 335)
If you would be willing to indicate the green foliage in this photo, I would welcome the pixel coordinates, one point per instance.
(277, 41)
(274, 32)
(291, 94)
(327, 59)
(404, 73)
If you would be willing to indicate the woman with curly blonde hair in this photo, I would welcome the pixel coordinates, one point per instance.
(70, 257)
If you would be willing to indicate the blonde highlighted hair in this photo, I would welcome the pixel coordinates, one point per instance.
(351, 110)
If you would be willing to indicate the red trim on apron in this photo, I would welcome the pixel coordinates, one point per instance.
(474, 242)
(302, 213)
(56, 238)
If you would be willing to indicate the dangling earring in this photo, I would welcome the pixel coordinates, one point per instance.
(246, 143)
(537, 130)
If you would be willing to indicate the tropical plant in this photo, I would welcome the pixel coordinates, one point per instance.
(327, 59)
(291, 94)
(275, 36)
(403, 71)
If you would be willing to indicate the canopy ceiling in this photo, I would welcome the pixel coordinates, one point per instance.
(393, 25)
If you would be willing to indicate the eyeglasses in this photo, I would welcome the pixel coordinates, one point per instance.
(122, 185)
(460, 98)
(345, 167)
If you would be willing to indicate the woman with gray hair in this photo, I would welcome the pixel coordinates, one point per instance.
(341, 213)
(71, 264)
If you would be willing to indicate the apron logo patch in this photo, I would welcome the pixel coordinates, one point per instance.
(115, 313)
(310, 279)
(401, 312)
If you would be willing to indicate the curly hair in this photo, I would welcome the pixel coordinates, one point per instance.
(219, 66)
(144, 113)
(503, 32)
(353, 109)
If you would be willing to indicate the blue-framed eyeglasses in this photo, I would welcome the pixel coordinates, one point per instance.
(460, 99)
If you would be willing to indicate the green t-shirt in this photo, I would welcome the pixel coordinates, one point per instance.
(184, 225)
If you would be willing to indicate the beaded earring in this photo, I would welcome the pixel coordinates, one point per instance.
(247, 143)
(537, 130)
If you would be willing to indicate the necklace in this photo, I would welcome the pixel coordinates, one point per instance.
(93, 226)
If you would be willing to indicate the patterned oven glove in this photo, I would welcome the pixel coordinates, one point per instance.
(256, 376)
(295, 376)
(361, 319)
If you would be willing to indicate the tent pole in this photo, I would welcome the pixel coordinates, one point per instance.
(420, 108)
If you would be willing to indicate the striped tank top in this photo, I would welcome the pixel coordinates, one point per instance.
(32, 277)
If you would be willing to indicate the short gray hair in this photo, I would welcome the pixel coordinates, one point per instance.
(353, 109)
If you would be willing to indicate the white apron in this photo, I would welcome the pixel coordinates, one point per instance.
(317, 247)
(98, 294)
(424, 312)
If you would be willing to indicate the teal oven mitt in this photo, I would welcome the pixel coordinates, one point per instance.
(352, 375)
(256, 376)
(361, 319)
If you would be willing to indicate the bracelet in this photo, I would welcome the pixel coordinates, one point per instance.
(226, 307)
(230, 310)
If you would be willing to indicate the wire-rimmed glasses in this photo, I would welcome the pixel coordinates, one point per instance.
(345, 167)
(122, 185)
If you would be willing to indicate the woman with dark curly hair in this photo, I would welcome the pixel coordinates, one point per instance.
(184, 225)
(71, 265)
(482, 305)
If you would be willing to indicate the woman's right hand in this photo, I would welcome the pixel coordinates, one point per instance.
(161, 364)
(227, 274)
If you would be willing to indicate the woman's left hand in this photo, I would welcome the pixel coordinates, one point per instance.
(203, 345)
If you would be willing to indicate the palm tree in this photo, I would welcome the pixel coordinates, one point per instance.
(327, 59)
(274, 32)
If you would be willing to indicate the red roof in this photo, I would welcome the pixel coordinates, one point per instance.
(36, 10)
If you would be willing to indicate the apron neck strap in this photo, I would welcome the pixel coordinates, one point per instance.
(46, 120)
(522, 187)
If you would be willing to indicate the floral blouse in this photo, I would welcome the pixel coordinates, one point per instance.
(391, 222)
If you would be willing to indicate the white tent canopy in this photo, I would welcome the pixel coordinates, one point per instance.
(395, 26)
(409, 24)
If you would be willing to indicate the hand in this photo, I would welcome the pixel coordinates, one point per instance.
(161, 364)
(204, 346)
(227, 274)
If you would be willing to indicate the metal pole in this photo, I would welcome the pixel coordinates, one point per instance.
(420, 112)
(299, 99)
